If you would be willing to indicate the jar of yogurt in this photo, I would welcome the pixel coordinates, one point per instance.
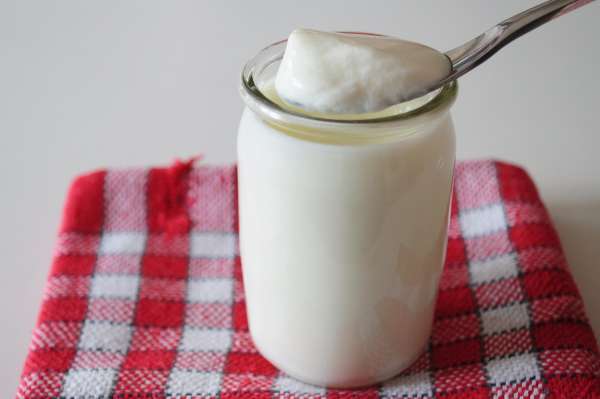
(343, 228)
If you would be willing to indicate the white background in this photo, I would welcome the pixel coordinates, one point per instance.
(85, 85)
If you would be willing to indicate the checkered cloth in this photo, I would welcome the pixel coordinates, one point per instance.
(145, 298)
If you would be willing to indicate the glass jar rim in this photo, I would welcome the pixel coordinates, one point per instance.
(257, 101)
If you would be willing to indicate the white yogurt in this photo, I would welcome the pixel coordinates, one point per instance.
(347, 74)
(342, 237)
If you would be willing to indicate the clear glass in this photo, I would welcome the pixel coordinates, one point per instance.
(343, 227)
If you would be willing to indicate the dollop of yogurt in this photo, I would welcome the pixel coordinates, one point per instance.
(339, 73)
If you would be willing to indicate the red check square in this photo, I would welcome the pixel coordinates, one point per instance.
(149, 359)
(164, 267)
(458, 353)
(515, 184)
(455, 251)
(74, 265)
(455, 301)
(549, 282)
(153, 313)
(63, 309)
(564, 335)
(249, 363)
(578, 386)
(49, 359)
(84, 209)
(524, 236)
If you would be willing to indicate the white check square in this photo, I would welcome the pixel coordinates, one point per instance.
(114, 286)
(482, 221)
(213, 245)
(505, 318)
(198, 340)
(183, 382)
(210, 290)
(105, 336)
(513, 369)
(503, 266)
(122, 243)
(84, 383)
(416, 385)
(293, 386)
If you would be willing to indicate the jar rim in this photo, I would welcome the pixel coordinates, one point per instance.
(261, 104)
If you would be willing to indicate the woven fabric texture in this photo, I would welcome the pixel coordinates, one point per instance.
(145, 299)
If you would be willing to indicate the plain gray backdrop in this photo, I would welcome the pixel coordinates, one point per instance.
(90, 84)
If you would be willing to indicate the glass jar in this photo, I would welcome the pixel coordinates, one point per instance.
(343, 228)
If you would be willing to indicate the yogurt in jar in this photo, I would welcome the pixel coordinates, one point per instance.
(343, 226)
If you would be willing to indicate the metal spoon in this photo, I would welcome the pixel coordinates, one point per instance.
(466, 57)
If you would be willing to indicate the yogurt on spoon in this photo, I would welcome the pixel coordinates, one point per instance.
(337, 73)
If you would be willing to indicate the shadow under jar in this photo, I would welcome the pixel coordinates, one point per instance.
(343, 228)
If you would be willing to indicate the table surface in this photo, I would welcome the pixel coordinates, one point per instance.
(108, 84)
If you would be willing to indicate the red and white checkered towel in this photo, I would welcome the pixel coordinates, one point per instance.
(145, 298)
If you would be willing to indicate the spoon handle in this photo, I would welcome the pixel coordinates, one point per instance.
(476, 51)
(573, 6)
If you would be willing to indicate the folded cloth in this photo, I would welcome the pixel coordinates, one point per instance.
(145, 298)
